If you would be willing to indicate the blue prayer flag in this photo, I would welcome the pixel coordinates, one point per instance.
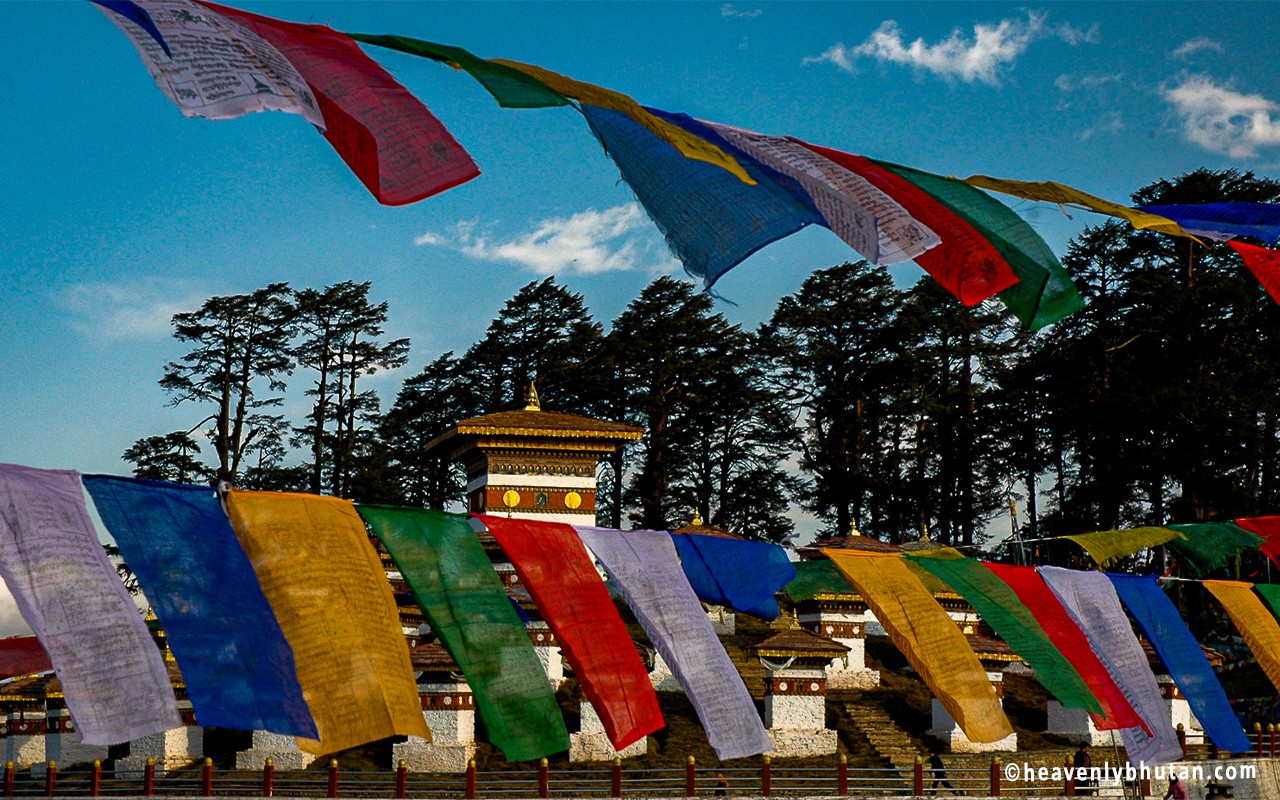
(1259, 220)
(738, 573)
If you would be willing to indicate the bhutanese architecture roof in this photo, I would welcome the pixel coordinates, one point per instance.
(537, 424)
(697, 526)
(431, 657)
(800, 643)
(849, 541)
(990, 649)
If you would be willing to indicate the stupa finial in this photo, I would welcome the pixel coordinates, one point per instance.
(531, 402)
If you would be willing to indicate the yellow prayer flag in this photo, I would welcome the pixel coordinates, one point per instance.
(930, 640)
(1256, 624)
(1054, 192)
(327, 587)
(689, 145)
(1107, 546)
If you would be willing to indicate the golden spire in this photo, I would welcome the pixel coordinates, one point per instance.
(924, 531)
(853, 528)
(697, 519)
(531, 402)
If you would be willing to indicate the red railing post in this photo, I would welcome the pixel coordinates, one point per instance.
(51, 778)
(766, 777)
(842, 777)
(471, 780)
(1271, 732)
(206, 778)
(544, 779)
(1069, 784)
(1144, 786)
(8, 779)
(995, 776)
(149, 778)
(333, 778)
(917, 780)
(1182, 740)
(402, 780)
(1257, 734)
(95, 779)
(615, 779)
(691, 778)
(268, 778)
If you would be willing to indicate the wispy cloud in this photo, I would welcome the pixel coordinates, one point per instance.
(1223, 120)
(586, 243)
(1071, 82)
(1193, 46)
(134, 311)
(980, 58)
(728, 11)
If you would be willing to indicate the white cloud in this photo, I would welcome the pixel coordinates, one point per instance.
(124, 312)
(727, 10)
(977, 59)
(1223, 120)
(586, 243)
(1196, 45)
(1071, 82)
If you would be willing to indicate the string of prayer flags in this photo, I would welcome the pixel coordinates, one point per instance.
(1063, 195)
(1210, 545)
(644, 567)
(113, 677)
(1107, 547)
(1222, 221)
(1257, 626)
(710, 219)
(22, 655)
(553, 564)
(1012, 621)
(326, 584)
(867, 219)
(1263, 263)
(929, 639)
(743, 575)
(817, 578)
(237, 666)
(388, 138)
(509, 86)
(1071, 641)
(457, 589)
(1092, 602)
(1183, 657)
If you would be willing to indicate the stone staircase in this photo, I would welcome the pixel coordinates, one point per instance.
(889, 740)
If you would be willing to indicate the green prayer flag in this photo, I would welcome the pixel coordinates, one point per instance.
(1210, 545)
(819, 577)
(1271, 593)
(999, 607)
(510, 87)
(460, 594)
(1044, 292)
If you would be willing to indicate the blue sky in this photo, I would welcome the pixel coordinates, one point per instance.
(118, 212)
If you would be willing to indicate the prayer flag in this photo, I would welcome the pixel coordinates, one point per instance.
(1183, 657)
(1224, 220)
(1072, 643)
(1210, 545)
(966, 263)
(1255, 623)
(464, 601)
(1092, 602)
(210, 66)
(737, 573)
(711, 220)
(1263, 263)
(1268, 530)
(113, 677)
(236, 664)
(999, 607)
(389, 139)
(1061, 194)
(817, 578)
(326, 584)
(555, 567)
(929, 639)
(867, 219)
(644, 567)
(22, 655)
(1105, 547)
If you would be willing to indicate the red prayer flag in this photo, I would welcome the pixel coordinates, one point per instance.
(389, 139)
(1263, 263)
(1266, 527)
(1066, 635)
(555, 567)
(22, 655)
(967, 264)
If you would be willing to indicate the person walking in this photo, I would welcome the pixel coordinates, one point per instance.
(1083, 762)
(939, 771)
(722, 785)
